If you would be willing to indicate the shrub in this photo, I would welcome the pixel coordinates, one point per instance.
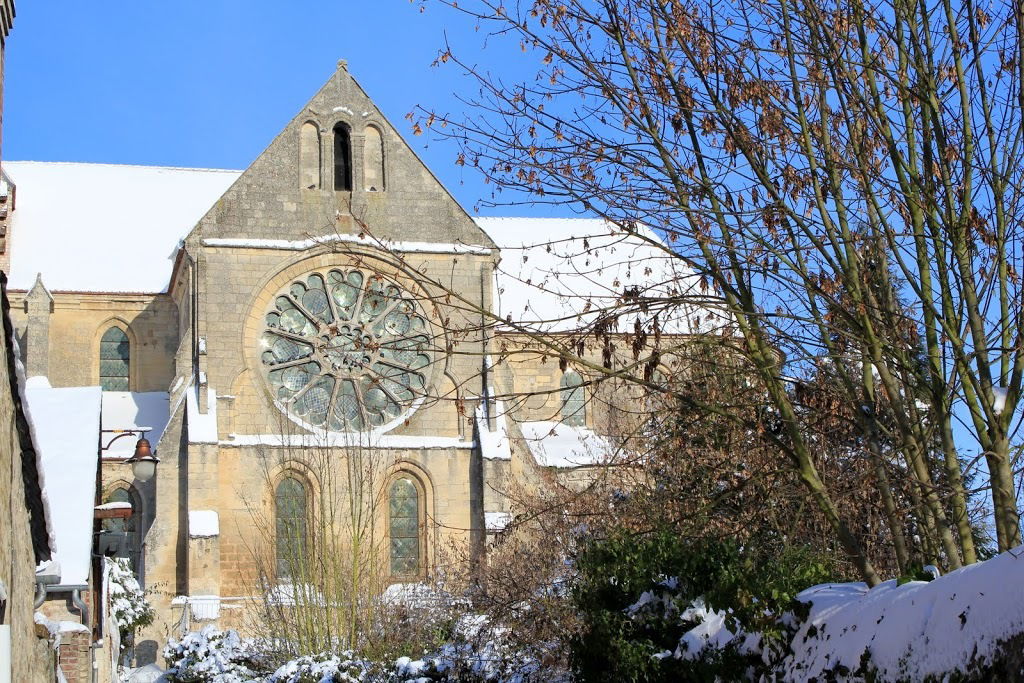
(658, 607)
(128, 602)
(212, 656)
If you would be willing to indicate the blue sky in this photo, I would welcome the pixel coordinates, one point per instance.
(209, 83)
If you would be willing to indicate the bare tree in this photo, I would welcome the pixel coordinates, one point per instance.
(843, 175)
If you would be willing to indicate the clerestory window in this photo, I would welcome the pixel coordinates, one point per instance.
(115, 356)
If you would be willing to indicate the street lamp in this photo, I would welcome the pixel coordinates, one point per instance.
(143, 461)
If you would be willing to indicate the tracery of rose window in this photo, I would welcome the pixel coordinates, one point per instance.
(346, 350)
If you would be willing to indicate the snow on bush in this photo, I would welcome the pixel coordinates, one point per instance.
(212, 656)
(959, 625)
(324, 668)
(128, 601)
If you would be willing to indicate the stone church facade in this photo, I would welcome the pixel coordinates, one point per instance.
(322, 312)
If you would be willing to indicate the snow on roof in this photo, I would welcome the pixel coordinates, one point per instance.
(554, 444)
(131, 410)
(104, 227)
(66, 423)
(559, 274)
(916, 631)
(203, 523)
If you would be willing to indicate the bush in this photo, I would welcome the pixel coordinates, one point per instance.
(658, 607)
(128, 602)
(212, 656)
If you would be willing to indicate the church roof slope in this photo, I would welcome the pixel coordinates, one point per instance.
(567, 274)
(104, 227)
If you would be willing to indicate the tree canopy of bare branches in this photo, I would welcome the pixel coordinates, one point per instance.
(844, 174)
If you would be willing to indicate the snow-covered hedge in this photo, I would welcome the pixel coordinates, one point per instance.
(128, 603)
(481, 654)
(212, 656)
(966, 625)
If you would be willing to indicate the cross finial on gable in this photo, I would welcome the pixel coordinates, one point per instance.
(342, 65)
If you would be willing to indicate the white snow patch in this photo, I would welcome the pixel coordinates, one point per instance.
(917, 630)
(554, 444)
(710, 631)
(559, 274)
(203, 523)
(494, 444)
(309, 243)
(132, 410)
(497, 521)
(204, 607)
(69, 216)
(66, 423)
(202, 428)
(114, 506)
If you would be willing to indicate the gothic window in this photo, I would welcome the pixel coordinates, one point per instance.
(290, 516)
(342, 158)
(114, 357)
(572, 394)
(404, 527)
(129, 529)
(346, 350)
(373, 160)
(309, 156)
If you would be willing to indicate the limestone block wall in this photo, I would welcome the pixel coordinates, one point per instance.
(32, 654)
(78, 321)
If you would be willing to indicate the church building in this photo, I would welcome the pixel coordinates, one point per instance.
(321, 330)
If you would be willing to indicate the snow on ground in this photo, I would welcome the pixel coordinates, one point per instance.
(554, 444)
(65, 426)
(916, 630)
(104, 227)
(131, 410)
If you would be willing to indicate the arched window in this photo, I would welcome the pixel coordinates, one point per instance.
(573, 409)
(290, 516)
(309, 156)
(404, 527)
(342, 158)
(373, 160)
(130, 529)
(114, 356)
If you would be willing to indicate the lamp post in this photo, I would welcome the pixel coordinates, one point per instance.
(143, 461)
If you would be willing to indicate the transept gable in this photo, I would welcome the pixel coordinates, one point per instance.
(339, 169)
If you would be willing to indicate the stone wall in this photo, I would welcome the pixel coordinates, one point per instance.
(31, 649)
(77, 321)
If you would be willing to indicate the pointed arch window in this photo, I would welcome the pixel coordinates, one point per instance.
(115, 354)
(404, 528)
(290, 516)
(129, 529)
(572, 395)
(342, 158)
(309, 156)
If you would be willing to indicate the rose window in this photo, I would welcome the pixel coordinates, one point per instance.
(346, 350)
